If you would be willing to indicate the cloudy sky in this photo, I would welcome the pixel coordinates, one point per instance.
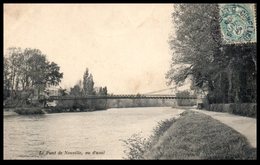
(124, 46)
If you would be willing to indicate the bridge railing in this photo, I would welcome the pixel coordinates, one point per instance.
(155, 96)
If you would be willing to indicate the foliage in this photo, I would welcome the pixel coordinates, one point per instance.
(185, 102)
(86, 88)
(76, 91)
(226, 72)
(193, 45)
(7, 81)
(88, 83)
(102, 91)
(29, 111)
(28, 69)
(243, 109)
(63, 92)
(136, 146)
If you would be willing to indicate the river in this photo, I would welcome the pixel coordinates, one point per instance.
(81, 135)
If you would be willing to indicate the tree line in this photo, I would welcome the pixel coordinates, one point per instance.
(86, 86)
(27, 70)
(225, 73)
(28, 73)
(82, 88)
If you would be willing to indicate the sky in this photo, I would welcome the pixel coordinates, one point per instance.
(124, 46)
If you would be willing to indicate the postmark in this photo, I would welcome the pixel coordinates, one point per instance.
(237, 23)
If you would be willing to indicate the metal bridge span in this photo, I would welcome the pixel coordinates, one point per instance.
(154, 96)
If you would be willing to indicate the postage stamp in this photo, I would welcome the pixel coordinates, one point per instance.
(237, 23)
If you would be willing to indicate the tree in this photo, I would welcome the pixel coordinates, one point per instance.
(184, 102)
(29, 69)
(37, 69)
(198, 52)
(88, 83)
(193, 45)
(7, 83)
(85, 79)
(63, 92)
(102, 91)
(14, 62)
(53, 76)
(41, 72)
(75, 91)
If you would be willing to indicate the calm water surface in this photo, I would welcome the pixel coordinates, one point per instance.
(82, 135)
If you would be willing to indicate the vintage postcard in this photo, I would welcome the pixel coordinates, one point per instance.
(129, 81)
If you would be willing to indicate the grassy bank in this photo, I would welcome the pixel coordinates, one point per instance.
(192, 136)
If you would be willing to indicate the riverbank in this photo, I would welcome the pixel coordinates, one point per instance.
(41, 111)
(29, 111)
(194, 136)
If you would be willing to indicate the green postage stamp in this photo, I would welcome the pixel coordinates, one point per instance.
(237, 23)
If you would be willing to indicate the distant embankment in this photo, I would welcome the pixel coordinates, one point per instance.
(25, 110)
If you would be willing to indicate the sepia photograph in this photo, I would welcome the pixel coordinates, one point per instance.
(117, 81)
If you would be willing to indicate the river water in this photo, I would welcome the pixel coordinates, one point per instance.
(82, 135)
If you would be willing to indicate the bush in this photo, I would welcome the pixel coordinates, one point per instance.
(136, 145)
(232, 108)
(243, 109)
(252, 111)
(216, 107)
(29, 111)
(185, 102)
(226, 107)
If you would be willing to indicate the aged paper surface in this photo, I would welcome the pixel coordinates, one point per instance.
(124, 81)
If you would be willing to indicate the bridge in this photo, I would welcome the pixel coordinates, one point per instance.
(151, 96)
(123, 100)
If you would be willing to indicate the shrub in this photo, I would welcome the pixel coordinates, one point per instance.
(243, 109)
(226, 107)
(136, 146)
(216, 107)
(252, 111)
(232, 108)
(29, 111)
